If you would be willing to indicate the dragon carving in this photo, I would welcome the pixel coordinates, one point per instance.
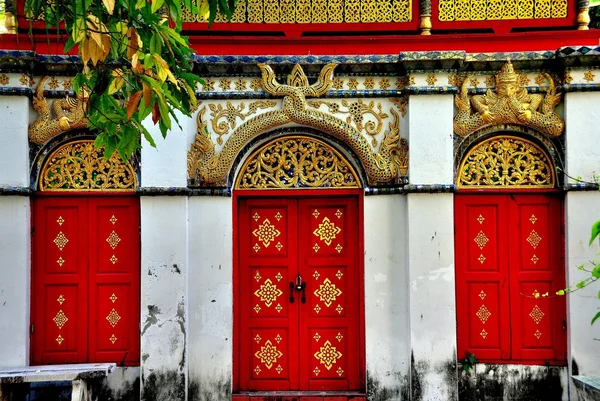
(207, 167)
(511, 103)
(69, 113)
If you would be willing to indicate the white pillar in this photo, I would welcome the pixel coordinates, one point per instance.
(582, 154)
(210, 299)
(387, 335)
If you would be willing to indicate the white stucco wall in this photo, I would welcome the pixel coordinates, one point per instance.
(166, 165)
(14, 281)
(14, 146)
(430, 140)
(386, 299)
(432, 295)
(210, 303)
(164, 303)
(582, 210)
(582, 133)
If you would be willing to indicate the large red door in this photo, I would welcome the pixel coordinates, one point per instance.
(85, 280)
(298, 294)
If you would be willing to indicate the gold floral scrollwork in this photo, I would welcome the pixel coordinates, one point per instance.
(506, 161)
(79, 166)
(231, 114)
(207, 168)
(509, 104)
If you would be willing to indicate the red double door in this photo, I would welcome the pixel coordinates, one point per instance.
(298, 294)
(85, 280)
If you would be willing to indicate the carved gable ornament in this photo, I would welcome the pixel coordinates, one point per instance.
(510, 103)
(207, 167)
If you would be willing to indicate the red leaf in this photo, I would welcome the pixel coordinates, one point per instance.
(134, 101)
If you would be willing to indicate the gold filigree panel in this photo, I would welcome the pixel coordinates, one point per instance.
(327, 355)
(315, 12)
(79, 166)
(268, 354)
(479, 10)
(506, 161)
(297, 162)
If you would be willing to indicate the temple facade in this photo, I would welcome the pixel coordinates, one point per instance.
(373, 200)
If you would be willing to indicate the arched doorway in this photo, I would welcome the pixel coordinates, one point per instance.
(85, 297)
(298, 275)
(509, 254)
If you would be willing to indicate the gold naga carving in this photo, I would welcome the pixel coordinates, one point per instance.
(69, 114)
(506, 161)
(231, 113)
(509, 104)
(208, 168)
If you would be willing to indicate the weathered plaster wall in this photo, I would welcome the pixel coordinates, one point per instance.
(386, 300)
(164, 303)
(486, 382)
(14, 280)
(14, 147)
(121, 385)
(430, 139)
(582, 133)
(432, 297)
(210, 299)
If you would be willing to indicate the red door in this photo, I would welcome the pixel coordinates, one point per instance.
(85, 280)
(298, 294)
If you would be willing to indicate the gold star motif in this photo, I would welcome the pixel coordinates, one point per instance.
(316, 275)
(536, 314)
(224, 84)
(317, 308)
(338, 213)
(540, 79)
(113, 317)
(257, 276)
(113, 240)
(59, 339)
(537, 334)
(490, 81)
(481, 258)
(113, 219)
(256, 216)
(327, 292)
(278, 276)
(278, 369)
(317, 337)
(316, 371)
(278, 338)
(256, 247)
(533, 219)
(384, 83)
(589, 77)
(480, 219)
(483, 314)
(483, 333)
(411, 80)
(534, 239)
(240, 85)
(481, 239)
(339, 337)
(278, 216)
(339, 309)
(339, 248)
(524, 80)
(535, 259)
(257, 339)
(339, 371)
(60, 299)
(268, 292)
(327, 231)
(431, 79)
(256, 84)
(316, 247)
(482, 295)
(113, 339)
(60, 261)
(352, 84)
(279, 308)
(316, 213)
(60, 220)
(60, 319)
(474, 82)
(209, 85)
(266, 233)
(113, 298)
(113, 259)
(328, 355)
(337, 84)
(257, 308)
(568, 77)
(279, 246)
(257, 370)
(268, 354)
(61, 240)
(339, 274)
(369, 83)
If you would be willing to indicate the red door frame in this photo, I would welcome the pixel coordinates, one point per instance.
(299, 193)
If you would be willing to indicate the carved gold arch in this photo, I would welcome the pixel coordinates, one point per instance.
(506, 162)
(296, 162)
(79, 166)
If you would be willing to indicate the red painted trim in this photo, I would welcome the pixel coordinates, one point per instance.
(67, 194)
(295, 193)
(484, 192)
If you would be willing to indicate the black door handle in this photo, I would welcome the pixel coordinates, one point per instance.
(291, 292)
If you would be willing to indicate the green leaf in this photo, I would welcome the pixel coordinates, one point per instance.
(595, 231)
(560, 292)
(596, 272)
(156, 4)
(596, 317)
(581, 284)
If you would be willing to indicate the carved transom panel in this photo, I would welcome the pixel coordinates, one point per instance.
(506, 161)
(477, 10)
(79, 166)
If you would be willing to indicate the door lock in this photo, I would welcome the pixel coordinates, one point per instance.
(301, 286)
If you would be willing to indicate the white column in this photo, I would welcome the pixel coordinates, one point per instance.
(432, 296)
(210, 299)
(164, 305)
(430, 139)
(15, 221)
(387, 334)
(582, 133)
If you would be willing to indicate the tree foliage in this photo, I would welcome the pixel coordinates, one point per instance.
(136, 64)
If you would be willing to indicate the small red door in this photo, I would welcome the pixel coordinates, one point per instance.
(85, 280)
(298, 294)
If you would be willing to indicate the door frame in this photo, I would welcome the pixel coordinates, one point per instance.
(297, 193)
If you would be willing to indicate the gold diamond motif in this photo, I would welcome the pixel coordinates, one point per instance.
(483, 333)
(327, 292)
(483, 313)
(60, 220)
(278, 369)
(60, 299)
(533, 219)
(316, 371)
(59, 339)
(317, 337)
(278, 338)
(257, 276)
(481, 258)
(268, 354)
(268, 292)
(113, 259)
(278, 216)
(266, 233)
(481, 239)
(61, 240)
(328, 355)
(113, 339)
(279, 308)
(339, 371)
(113, 317)
(339, 337)
(339, 248)
(60, 319)
(339, 274)
(60, 261)
(316, 213)
(113, 240)
(256, 247)
(534, 239)
(317, 308)
(536, 314)
(534, 259)
(278, 276)
(316, 247)
(113, 220)
(256, 216)
(279, 246)
(537, 334)
(480, 219)
(113, 298)
(316, 275)
(257, 370)
(257, 339)
(482, 295)
(327, 231)
(338, 213)
(257, 308)
(339, 309)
